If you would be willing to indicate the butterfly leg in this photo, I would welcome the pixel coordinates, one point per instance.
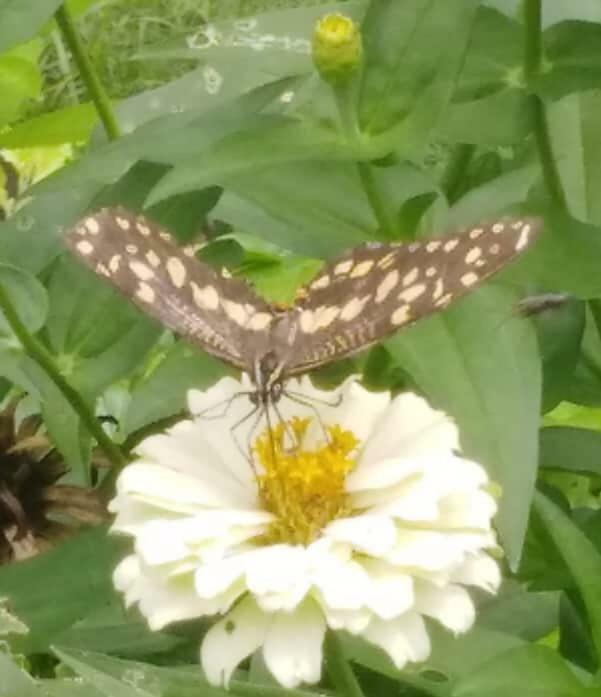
(309, 403)
(226, 404)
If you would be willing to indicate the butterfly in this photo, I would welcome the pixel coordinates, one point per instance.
(355, 301)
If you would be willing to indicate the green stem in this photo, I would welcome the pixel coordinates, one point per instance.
(376, 200)
(345, 96)
(89, 76)
(43, 358)
(455, 171)
(339, 668)
(533, 55)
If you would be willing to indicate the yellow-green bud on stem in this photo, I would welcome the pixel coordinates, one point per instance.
(337, 48)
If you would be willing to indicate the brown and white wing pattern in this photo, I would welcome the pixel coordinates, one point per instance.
(222, 316)
(373, 290)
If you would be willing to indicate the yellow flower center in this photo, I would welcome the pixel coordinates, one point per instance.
(303, 488)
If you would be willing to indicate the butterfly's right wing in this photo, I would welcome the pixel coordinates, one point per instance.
(222, 316)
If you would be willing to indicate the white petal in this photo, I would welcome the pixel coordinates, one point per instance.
(409, 428)
(384, 474)
(391, 591)
(163, 600)
(278, 576)
(366, 533)
(293, 647)
(451, 605)
(125, 578)
(359, 411)
(341, 585)
(206, 450)
(479, 570)
(403, 639)
(352, 621)
(473, 509)
(165, 488)
(232, 640)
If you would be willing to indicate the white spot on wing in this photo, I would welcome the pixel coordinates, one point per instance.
(353, 308)
(450, 244)
(84, 247)
(401, 316)
(411, 277)
(123, 223)
(145, 292)
(143, 272)
(343, 267)
(433, 245)
(235, 311)
(92, 226)
(153, 258)
(321, 282)
(176, 271)
(475, 233)
(523, 238)
(412, 293)
(472, 255)
(386, 285)
(362, 268)
(468, 279)
(206, 298)
(114, 263)
(306, 321)
(259, 321)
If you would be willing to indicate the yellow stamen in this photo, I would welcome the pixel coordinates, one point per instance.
(304, 489)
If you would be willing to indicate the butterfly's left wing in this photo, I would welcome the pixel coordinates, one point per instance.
(221, 315)
(373, 290)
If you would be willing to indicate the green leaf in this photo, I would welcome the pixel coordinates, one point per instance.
(571, 59)
(98, 336)
(493, 61)
(271, 142)
(504, 118)
(80, 570)
(573, 123)
(467, 364)
(22, 19)
(566, 257)
(581, 557)
(27, 296)
(520, 612)
(164, 392)
(20, 80)
(15, 681)
(71, 124)
(532, 671)
(234, 58)
(406, 88)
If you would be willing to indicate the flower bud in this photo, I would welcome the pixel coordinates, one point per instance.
(337, 48)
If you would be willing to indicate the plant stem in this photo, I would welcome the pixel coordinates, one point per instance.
(43, 358)
(455, 171)
(345, 96)
(533, 48)
(89, 76)
(376, 201)
(339, 668)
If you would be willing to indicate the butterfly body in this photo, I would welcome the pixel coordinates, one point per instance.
(356, 300)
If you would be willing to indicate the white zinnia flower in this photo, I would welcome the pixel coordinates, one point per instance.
(368, 528)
